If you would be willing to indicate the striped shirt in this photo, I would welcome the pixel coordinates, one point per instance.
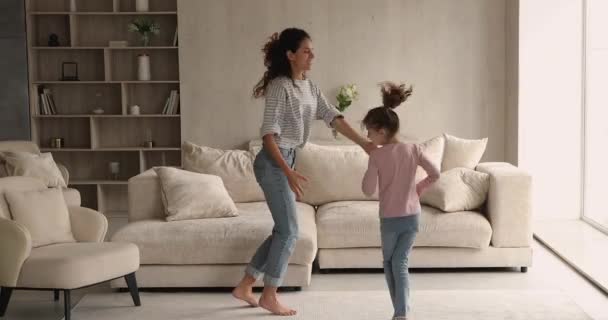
(290, 109)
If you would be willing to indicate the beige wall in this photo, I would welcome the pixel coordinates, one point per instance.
(452, 51)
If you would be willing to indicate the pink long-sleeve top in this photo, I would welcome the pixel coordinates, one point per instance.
(392, 168)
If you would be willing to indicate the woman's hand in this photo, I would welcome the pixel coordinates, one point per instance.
(369, 147)
(344, 128)
(294, 179)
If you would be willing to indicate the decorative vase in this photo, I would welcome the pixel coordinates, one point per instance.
(141, 5)
(134, 110)
(143, 67)
(145, 39)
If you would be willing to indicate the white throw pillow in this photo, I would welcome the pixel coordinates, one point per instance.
(458, 189)
(432, 148)
(190, 195)
(334, 173)
(40, 166)
(43, 213)
(235, 167)
(463, 153)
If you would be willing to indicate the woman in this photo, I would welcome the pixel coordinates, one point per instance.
(292, 102)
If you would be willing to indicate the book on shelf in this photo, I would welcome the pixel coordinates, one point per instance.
(46, 104)
(172, 103)
(175, 38)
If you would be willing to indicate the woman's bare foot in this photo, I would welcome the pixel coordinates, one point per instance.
(271, 303)
(244, 291)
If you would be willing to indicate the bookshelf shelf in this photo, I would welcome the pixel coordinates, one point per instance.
(102, 13)
(109, 48)
(107, 79)
(106, 82)
(59, 116)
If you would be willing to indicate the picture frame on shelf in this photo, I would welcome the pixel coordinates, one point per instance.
(69, 71)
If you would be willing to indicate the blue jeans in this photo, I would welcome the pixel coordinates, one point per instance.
(272, 256)
(398, 236)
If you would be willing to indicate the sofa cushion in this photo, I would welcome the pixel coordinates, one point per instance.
(74, 265)
(458, 189)
(334, 173)
(40, 166)
(463, 153)
(217, 241)
(191, 195)
(43, 213)
(16, 184)
(235, 167)
(355, 224)
(433, 149)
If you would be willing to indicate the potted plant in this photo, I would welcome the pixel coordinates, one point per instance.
(146, 28)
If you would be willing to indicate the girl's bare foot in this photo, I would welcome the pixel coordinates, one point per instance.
(272, 304)
(244, 291)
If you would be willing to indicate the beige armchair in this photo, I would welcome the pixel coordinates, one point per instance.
(72, 196)
(63, 266)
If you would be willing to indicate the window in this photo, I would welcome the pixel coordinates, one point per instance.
(595, 186)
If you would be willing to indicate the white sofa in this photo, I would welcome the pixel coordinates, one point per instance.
(339, 227)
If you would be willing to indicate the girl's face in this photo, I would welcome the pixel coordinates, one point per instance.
(301, 60)
(377, 136)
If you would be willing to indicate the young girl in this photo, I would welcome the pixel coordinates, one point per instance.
(392, 167)
(292, 102)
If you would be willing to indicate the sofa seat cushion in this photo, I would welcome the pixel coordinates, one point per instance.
(355, 224)
(74, 265)
(217, 240)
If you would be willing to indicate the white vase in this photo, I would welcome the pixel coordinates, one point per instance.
(143, 67)
(73, 7)
(141, 5)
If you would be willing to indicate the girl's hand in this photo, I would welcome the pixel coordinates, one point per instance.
(294, 179)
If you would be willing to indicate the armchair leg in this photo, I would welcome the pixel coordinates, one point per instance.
(132, 284)
(5, 296)
(55, 295)
(67, 304)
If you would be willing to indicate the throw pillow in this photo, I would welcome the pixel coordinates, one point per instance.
(235, 167)
(40, 166)
(432, 148)
(462, 152)
(43, 213)
(190, 195)
(458, 189)
(334, 173)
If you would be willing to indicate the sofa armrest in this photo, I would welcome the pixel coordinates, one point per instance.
(71, 197)
(88, 225)
(15, 247)
(145, 197)
(509, 207)
(64, 173)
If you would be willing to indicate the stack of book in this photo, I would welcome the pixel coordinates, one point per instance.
(172, 103)
(46, 104)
